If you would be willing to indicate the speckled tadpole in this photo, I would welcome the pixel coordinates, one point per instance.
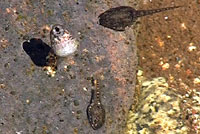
(120, 17)
(95, 110)
(62, 41)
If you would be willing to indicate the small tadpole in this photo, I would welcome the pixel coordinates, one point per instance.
(62, 42)
(119, 18)
(95, 110)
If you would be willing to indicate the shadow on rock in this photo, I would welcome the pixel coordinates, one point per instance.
(37, 50)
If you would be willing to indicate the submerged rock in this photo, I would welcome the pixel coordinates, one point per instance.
(158, 111)
(31, 101)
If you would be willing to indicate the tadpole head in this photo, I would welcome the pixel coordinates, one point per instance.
(57, 31)
(62, 41)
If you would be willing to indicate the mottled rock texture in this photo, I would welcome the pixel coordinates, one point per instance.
(158, 110)
(31, 102)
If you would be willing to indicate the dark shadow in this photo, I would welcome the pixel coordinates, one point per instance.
(37, 50)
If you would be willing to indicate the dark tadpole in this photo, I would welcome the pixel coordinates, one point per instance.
(119, 18)
(38, 51)
(95, 110)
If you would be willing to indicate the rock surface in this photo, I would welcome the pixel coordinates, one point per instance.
(31, 102)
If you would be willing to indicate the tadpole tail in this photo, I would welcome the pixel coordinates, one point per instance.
(150, 12)
(95, 92)
(92, 96)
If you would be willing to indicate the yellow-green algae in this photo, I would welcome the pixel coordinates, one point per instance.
(158, 110)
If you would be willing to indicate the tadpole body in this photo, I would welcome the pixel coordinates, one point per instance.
(95, 110)
(119, 18)
(62, 41)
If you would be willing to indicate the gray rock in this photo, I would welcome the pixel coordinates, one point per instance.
(31, 102)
